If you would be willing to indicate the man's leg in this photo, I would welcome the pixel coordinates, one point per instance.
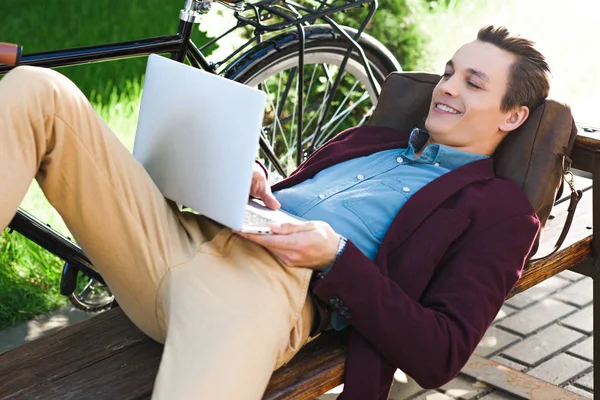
(111, 206)
(233, 315)
(229, 314)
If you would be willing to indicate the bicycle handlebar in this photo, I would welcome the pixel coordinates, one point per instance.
(10, 53)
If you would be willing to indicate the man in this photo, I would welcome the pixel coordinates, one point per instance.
(414, 239)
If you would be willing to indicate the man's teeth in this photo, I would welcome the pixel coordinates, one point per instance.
(444, 107)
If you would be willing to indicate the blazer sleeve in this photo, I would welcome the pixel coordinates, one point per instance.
(432, 339)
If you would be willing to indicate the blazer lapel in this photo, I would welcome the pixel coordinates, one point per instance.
(432, 195)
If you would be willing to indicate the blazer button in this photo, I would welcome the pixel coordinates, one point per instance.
(335, 301)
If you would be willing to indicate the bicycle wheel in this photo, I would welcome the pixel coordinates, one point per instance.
(325, 113)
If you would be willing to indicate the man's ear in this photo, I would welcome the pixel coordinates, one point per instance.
(514, 119)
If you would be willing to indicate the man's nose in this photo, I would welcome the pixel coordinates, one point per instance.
(449, 86)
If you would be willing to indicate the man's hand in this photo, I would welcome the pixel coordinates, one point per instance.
(311, 244)
(261, 189)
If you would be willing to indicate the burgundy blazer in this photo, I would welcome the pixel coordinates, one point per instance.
(443, 270)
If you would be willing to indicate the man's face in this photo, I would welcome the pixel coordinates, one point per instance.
(465, 106)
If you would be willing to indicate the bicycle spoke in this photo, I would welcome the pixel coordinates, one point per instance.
(288, 86)
(340, 119)
(276, 112)
(337, 110)
(276, 120)
(86, 290)
(322, 116)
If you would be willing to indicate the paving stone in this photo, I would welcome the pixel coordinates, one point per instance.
(465, 388)
(584, 349)
(579, 293)
(431, 395)
(537, 292)
(332, 394)
(543, 344)
(558, 370)
(504, 312)
(582, 320)
(494, 340)
(587, 381)
(497, 395)
(526, 321)
(570, 275)
(40, 326)
(404, 387)
(580, 392)
(509, 363)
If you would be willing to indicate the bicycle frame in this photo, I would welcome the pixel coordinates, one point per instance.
(181, 48)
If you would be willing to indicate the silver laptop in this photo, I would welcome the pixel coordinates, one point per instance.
(197, 137)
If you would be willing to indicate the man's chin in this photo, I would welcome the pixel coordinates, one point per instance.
(435, 128)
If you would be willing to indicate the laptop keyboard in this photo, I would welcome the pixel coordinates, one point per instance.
(253, 219)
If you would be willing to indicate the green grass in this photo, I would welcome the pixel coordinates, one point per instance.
(29, 280)
(64, 24)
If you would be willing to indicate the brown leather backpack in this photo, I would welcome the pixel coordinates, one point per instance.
(536, 156)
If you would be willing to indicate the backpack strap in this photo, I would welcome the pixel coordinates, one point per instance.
(575, 196)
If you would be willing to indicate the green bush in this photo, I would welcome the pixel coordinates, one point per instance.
(62, 24)
(396, 24)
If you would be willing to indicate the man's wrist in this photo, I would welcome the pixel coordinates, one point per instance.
(338, 254)
(340, 249)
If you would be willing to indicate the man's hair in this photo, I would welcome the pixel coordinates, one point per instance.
(528, 82)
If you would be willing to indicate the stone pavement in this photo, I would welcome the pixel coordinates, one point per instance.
(545, 332)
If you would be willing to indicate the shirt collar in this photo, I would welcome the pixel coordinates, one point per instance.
(435, 153)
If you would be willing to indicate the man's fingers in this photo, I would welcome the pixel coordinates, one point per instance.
(268, 241)
(288, 228)
(270, 200)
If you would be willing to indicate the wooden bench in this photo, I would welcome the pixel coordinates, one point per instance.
(107, 357)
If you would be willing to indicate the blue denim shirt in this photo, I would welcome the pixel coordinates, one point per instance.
(360, 197)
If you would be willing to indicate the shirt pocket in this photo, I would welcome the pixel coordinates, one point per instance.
(376, 206)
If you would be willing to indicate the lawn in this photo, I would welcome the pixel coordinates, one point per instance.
(29, 277)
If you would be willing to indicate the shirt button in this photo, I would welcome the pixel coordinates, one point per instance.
(406, 189)
(437, 164)
(321, 196)
(360, 177)
(400, 160)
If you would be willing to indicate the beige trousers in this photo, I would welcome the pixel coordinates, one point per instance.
(228, 312)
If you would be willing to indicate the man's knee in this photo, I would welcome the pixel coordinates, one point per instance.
(28, 79)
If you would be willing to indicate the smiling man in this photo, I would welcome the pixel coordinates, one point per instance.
(411, 242)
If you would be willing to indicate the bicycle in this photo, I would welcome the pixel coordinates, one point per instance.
(346, 68)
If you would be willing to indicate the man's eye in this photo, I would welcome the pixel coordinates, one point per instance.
(446, 75)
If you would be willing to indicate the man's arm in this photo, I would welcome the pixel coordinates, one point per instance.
(432, 339)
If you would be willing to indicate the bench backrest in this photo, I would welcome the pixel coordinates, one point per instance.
(531, 156)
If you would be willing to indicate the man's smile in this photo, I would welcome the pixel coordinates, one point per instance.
(446, 109)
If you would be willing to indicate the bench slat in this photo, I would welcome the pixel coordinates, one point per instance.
(576, 248)
(589, 141)
(318, 367)
(127, 375)
(61, 353)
